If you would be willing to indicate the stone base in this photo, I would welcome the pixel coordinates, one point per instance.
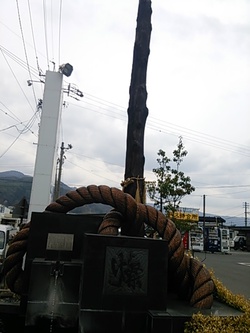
(172, 320)
(178, 313)
(92, 321)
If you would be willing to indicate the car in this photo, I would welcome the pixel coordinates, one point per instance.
(240, 242)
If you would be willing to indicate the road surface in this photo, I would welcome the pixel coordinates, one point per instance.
(233, 269)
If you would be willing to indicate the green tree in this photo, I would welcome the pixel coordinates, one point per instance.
(171, 184)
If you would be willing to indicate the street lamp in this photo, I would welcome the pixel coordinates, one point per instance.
(66, 69)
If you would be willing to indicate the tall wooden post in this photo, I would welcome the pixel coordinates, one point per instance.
(137, 110)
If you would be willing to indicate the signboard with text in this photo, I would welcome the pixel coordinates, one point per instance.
(190, 214)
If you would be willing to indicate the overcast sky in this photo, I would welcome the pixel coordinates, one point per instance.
(198, 84)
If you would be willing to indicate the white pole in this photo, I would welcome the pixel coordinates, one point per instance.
(44, 172)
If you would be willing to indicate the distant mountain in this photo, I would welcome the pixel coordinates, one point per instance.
(235, 221)
(15, 185)
(229, 220)
(12, 174)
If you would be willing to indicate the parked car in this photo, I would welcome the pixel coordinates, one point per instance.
(240, 243)
(7, 232)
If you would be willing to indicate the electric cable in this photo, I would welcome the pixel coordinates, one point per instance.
(51, 26)
(78, 166)
(45, 32)
(20, 139)
(59, 33)
(19, 61)
(17, 81)
(32, 31)
(164, 127)
(24, 46)
(10, 145)
(159, 125)
(14, 117)
(96, 159)
(13, 32)
(12, 126)
(33, 38)
(25, 66)
(158, 122)
(18, 136)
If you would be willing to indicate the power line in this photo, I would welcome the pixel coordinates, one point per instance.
(91, 172)
(21, 139)
(26, 128)
(204, 138)
(160, 125)
(59, 33)
(23, 65)
(12, 126)
(17, 81)
(221, 186)
(32, 30)
(10, 145)
(45, 32)
(33, 38)
(17, 35)
(51, 26)
(19, 61)
(97, 159)
(13, 116)
(24, 46)
(165, 127)
(155, 124)
(27, 67)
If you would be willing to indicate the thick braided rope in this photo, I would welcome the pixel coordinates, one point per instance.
(190, 277)
(111, 223)
(14, 275)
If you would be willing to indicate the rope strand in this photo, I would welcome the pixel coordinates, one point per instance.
(188, 277)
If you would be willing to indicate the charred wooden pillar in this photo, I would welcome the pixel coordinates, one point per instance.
(137, 109)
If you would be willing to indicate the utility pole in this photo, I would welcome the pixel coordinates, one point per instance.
(59, 175)
(246, 206)
(204, 220)
(47, 143)
(42, 184)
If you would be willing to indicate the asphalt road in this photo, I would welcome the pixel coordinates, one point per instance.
(233, 269)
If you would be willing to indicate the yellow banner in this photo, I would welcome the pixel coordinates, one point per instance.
(184, 216)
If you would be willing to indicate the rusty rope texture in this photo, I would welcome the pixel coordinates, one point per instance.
(187, 276)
